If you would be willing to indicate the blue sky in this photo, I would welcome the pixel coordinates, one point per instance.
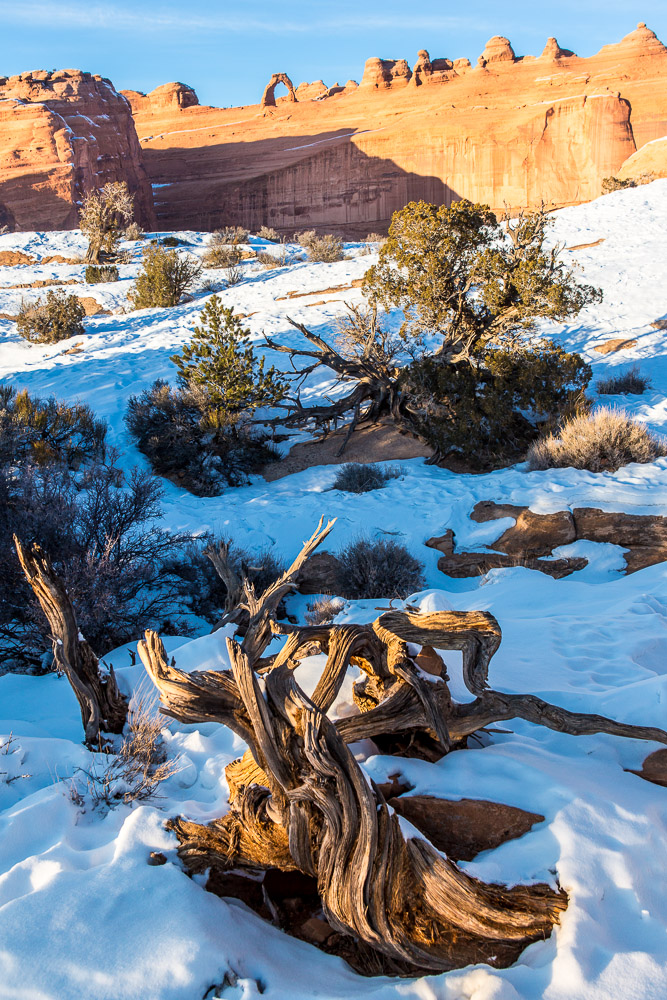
(227, 50)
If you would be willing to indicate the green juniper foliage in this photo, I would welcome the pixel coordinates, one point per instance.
(221, 360)
(489, 411)
(166, 275)
(461, 276)
(45, 431)
(49, 320)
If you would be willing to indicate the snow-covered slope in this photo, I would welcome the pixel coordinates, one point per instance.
(81, 912)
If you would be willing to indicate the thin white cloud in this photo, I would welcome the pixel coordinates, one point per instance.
(109, 18)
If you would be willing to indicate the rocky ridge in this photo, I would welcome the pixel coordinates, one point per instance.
(512, 131)
(63, 134)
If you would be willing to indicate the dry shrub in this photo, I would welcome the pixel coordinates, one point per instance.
(141, 764)
(324, 610)
(378, 569)
(133, 232)
(177, 431)
(355, 477)
(602, 441)
(13, 755)
(270, 234)
(610, 184)
(630, 382)
(220, 253)
(233, 276)
(230, 234)
(269, 261)
(324, 249)
(97, 274)
(46, 321)
(375, 238)
(204, 592)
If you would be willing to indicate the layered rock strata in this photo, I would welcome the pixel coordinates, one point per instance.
(514, 131)
(63, 134)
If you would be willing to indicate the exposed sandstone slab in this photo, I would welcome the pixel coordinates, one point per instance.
(616, 344)
(467, 827)
(534, 536)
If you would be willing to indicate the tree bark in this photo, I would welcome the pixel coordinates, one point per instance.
(103, 707)
(300, 802)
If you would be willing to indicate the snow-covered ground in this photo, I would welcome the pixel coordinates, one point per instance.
(81, 912)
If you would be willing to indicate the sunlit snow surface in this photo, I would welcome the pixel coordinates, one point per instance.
(82, 915)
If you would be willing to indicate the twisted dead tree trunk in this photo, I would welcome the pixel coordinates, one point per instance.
(299, 802)
(103, 707)
(372, 377)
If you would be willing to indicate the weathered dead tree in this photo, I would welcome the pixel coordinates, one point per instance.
(103, 707)
(300, 803)
(368, 369)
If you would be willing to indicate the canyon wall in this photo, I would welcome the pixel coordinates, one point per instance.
(63, 134)
(513, 131)
(509, 131)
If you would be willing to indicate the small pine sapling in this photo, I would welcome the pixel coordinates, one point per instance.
(220, 360)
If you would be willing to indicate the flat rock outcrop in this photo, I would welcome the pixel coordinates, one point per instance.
(648, 162)
(63, 134)
(533, 537)
(521, 131)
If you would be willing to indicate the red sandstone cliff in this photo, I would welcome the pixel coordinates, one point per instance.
(63, 134)
(513, 131)
(509, 130)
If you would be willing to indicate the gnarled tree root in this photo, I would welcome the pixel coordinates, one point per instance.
(103, 707)
(300, 802)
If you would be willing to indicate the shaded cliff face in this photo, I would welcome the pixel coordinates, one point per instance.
(63, 134)
(509, 131)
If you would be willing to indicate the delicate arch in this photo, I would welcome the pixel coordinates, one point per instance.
(269, 97)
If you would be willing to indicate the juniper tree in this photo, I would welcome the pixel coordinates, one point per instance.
(165, 276)
(220, 360)
(103, 218)
(459, 274)
(472, 291)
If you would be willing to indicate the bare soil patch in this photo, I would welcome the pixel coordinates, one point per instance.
(376, 443)
(618, 344)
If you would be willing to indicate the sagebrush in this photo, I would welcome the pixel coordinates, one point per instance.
(630, 382)
(269, 233)
(48, 320)
(381, 568)
(321, 249)
(323, 610)
(356, 477)
(602, 441)
(220, 253)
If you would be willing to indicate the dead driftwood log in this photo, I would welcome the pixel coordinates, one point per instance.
(103, 707)
(300, 803)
